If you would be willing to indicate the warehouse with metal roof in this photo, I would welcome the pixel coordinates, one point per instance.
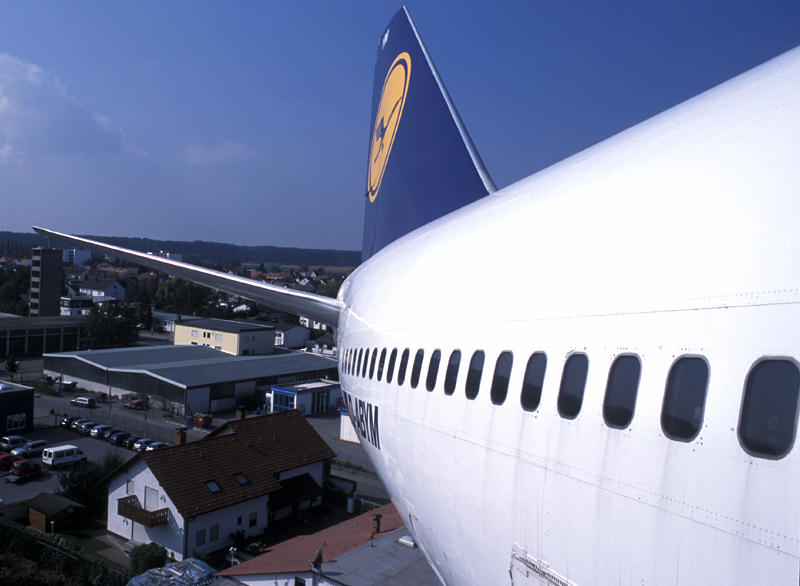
(186, 379)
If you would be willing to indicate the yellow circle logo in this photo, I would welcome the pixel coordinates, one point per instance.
(390, 108)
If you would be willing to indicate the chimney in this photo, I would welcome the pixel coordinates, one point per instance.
(241, 412)
(180, 436)
(376, 524)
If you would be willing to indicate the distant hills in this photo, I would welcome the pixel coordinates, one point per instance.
(20, 244)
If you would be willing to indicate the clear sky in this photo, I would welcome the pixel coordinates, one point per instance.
(248, 122)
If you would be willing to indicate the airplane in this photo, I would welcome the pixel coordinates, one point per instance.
(615, 399)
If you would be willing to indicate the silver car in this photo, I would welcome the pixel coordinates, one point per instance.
(30, 449)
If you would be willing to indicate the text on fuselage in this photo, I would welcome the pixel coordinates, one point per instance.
(364, 416)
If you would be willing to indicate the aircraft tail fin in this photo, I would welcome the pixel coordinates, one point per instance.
(422, 163)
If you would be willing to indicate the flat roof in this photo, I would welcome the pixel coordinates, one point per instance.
(197, 366)
(226, 325)
(18, 322)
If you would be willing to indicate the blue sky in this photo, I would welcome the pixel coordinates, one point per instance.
(247, 122)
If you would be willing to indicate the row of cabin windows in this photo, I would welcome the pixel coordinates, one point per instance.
(767, 422)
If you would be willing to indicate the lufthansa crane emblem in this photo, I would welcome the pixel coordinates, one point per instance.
(390, 109)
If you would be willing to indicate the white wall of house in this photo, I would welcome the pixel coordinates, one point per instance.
(227, 521)
(315, 470)
(170, 535)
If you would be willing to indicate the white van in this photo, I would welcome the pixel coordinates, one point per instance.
(62, 456)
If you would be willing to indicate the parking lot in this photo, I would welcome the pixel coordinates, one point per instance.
(48, 481)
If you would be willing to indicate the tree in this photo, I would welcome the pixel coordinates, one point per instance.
(330, 289)
(112, 325)
(12, 366)
(146, 556)
(83, 483)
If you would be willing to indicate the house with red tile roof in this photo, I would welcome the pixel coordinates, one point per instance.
(372, 548)
(196, 497)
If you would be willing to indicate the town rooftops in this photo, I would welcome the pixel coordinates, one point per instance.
(239, 462)
(225, 325)
(193, 366)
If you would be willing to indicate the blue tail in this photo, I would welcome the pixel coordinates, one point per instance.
(422, 163)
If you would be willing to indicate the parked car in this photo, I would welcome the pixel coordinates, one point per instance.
(156, 446)
(129, 441)
(87, 402)
(9, 442)
(142, 443)
(62, 456)
(66, 420)
(133, 403)
(5, 461)
(97, 430)
(30, 449)
(109, 432)
(85, 427)
(119, 438)
(78, 422)
(23, 470)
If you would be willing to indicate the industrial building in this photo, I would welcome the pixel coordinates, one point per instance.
(16, 408)
(31, 336)
(316, 397)
(187, 379)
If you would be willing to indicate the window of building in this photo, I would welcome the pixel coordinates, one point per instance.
(381, 363)
(213, 533)
(433, 370)
(502, 372)
(253, 519)
(372, 362)
(621, 388)
(195, 333)
(194, 343)
(533, 381)
(685, 398)
(130, 487)
(212, 486)
(239, 520)
(200, 537)
(451, 375)
(16, 421)
(217, 347)
(241, 479)
(416, 369)
(573, 384)
(218, 337)
(474, 374)
(401, 372)
(768, 420)
(390, 367)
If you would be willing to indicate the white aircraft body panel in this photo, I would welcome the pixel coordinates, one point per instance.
(678, 237)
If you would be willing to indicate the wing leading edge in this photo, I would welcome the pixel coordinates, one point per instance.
(317, 307)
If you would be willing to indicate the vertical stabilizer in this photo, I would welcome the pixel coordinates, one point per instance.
(422, 163)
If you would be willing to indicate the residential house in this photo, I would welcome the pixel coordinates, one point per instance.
(101, 289)
(200, 496)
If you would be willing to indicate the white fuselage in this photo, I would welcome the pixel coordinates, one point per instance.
(678, 237)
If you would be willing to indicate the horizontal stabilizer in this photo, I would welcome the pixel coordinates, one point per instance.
(317, 307)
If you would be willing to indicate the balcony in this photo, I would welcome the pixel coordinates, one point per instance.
(129, 507)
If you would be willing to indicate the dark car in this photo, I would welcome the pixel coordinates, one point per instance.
(66, 420)
(74, 425)
(107, 433)
(98, 430)
(142, 443)
(85, 427)
(25, 468)
(129, 441)
(119, 438)
(30, 449)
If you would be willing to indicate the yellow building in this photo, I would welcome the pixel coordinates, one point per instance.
(233, 337)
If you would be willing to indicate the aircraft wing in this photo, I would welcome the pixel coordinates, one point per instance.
(318, 307)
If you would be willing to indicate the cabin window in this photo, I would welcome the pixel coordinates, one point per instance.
(433, 370)
(533, 381)
(358, 361)
(768, 420)
(372, 362)
(685, 399)
(401, 372)
(621, 389)
(390, 368)
(502, 372)
(474, 374)
(416, 369)
(573, 384)
(452, 372)
(381, 362)
(365, 364)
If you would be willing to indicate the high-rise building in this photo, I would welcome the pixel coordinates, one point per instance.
(46, 280)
